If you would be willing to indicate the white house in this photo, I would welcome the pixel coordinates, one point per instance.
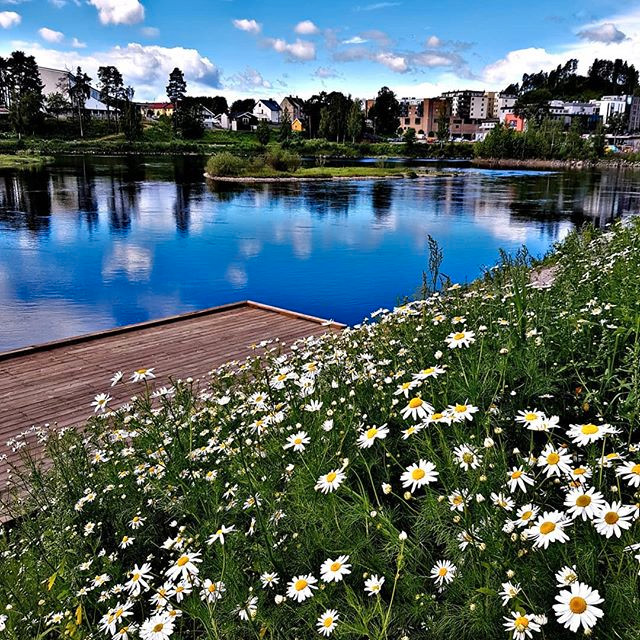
(268, 110)
(610, 105)
(222, 121)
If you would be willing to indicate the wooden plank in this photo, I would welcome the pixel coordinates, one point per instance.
(56, 382)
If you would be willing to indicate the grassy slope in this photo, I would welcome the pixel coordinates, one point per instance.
(215, 457)
(23, 161)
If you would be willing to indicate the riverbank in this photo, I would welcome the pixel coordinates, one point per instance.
(559, 165)
(23, 161)
(318, 174)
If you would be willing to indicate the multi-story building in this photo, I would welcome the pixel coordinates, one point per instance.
(422, 115)
(566, 112)
(294, 106)
(608, 106)
(493, 107)
(467, 104)
(505, 105)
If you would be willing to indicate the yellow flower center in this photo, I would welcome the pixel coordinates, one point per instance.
(417, 474)
(328, 621)
(577, 605)
(468, 457)
(521, 623)
(158, 628)
(553, 458)
(331, 476)
(443, 571)
(406, 385)
(580, 471)
(118, 613)
(458, 336)
(336, 566)
(414, 403)
(298, 441)
(141, 372)
(636, 469)
(219, 532)
(300, 585)
(589, 429)
(428, 371)
(530, 417)
(526, 515)
(457, 499)
(516, 474)
(583, 501)
(461, 408)
(547, 527)
(182, 561)
(437, 416)
(611, 518)
(212, 587)
(372, 433)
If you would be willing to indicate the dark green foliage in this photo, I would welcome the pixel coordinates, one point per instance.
(385, 113)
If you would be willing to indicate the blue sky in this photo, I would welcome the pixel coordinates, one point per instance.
(248, 48)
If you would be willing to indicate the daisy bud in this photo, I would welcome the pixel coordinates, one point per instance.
(482, 546)
(456, 519)
(514, 537)
(497, 430)
(373, 514)
(482, 478)
(472, 606)
(279, 599)
(488, 443)
(407, 495)
(386, 488)
(403, 535)
(510, 573)
(479, 497)
(437, 355)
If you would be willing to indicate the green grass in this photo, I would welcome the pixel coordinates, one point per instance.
(213, 453)
(23, 161)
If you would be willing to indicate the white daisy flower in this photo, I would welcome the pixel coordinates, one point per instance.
(335, 570)
(518, 479)
(630, 472)
(373, 585)
(443, 572)
(521, 625)
(300, 588)
(460, 339)
(584, 503)
(584, 434)
(297, 441)
(368, 437)
(330, 481)
(417, 409)
(613, 518)
(419, 474)
(577, 606)
(555, 462)
(566, 576)
(327, 622)
(549, 527)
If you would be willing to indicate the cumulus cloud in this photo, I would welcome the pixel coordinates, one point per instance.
(145, 67)
(306, 28)
(355, 40)
(119, 11)
(77, 44)
(392, 61)
(433, 42)
(248, 80)
(9, 19)
(299, 51)
(530, 60)
(250, 26)
(50, 35)
(606, 32)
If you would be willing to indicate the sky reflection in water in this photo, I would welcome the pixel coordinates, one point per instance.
(89, 244)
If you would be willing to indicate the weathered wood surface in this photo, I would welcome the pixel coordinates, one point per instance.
(55, 383)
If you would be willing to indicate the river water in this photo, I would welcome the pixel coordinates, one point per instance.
(93, 243)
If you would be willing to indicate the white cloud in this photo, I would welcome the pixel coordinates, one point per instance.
(145, 67)
(606, 32)
(325, 72)
(248, 80)
(9, 19)
(306, 28)
(433, 42)
(300, 50)
(355, 40)
(511, 68)
(77, 44)
(392, 61)
(50, 35)
(150, 32)
(119, 11)
(250, 26)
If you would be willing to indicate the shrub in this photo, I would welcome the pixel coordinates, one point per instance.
(282, 160)
(226, 164)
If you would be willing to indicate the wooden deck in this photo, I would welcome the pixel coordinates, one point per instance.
(55, 383)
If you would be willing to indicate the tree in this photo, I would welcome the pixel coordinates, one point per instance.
(23, 91)
(284, 133)
(313, 109)
(56, 104)
(263, 132)
(385, 113)
(617, 125)
(176, 91)
(444, 132)
(409, 137)
(189, 120)
(79, 91)
(111, 85)
(242, 106)
(131, 116)
(355, 122)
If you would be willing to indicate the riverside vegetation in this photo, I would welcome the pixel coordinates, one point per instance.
(467, 465)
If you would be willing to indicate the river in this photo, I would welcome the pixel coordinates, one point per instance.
(93, 243)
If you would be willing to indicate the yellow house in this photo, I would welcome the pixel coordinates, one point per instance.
(297, 125)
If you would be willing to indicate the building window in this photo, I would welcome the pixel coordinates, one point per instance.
(407, 120)
(417, 120)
